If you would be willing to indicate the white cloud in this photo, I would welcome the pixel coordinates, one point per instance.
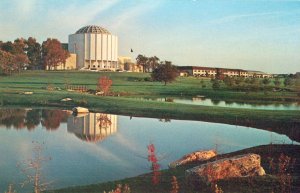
(129, 17)
(24, 8)
(233, 18)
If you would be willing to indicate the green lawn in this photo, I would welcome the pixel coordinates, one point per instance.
(130, 84)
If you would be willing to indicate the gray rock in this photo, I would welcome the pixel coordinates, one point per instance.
(237, 166)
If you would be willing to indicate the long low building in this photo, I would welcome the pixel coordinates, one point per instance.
(226, 72)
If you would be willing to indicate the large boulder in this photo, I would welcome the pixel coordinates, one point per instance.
(80, 110)
(237, 166)
(195, 156)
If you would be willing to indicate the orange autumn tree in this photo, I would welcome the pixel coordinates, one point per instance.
(104, 84)
(53, 53)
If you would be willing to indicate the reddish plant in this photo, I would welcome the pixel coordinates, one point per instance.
(217, 189)
(120, 189)
(284, 176)
(155, 166)
(104, 84)
(175, 186)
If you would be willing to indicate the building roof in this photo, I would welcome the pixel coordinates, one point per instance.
(92, 29)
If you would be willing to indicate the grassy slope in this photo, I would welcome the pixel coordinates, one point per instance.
(258, 184)
(129, 83)
(37, 81)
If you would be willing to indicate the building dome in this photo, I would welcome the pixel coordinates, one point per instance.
(92, 29)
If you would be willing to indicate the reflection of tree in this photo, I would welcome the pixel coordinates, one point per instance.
(51, 119)
(215, 101)
(164, 120)
(103, 120)
(30, 119)
(33, 118)
(13, 118)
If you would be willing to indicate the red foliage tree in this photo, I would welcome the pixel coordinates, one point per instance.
(7, 65)
(104, 84)
(53, 54)
(20, 61)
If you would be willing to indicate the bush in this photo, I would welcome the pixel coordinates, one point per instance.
(288, 81)
(266, 81)
(216, 84)
(82, 102)
(148, 79)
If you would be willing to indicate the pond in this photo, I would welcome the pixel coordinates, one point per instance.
(231, 104)
(97, 147)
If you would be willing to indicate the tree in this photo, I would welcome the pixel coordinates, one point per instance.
(53, 54)
(20, 61)
(104, 84)
(165, 72)
(288, 81)
(277, 82)
(216, 84)
(266, 81)
(19, 46)
(7, 65)
(152, 63)
(8, 47)
(229, 81)
(219, 74)
(141, 60)
(34, 52)
(13, 57)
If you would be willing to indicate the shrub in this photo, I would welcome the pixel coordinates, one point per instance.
(82, 102)
(104, 84)
(216, 84)
(148, 79)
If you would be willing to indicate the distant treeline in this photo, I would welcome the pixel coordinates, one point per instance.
(29, 54)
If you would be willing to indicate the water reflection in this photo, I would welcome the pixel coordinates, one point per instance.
(30, 118)
(120, 155)
(92, 127)
(95, 127)
(201, 100)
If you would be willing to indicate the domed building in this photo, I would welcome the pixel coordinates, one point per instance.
(95, 48)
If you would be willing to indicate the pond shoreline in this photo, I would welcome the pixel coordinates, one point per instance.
(288, 124)
(261, 184)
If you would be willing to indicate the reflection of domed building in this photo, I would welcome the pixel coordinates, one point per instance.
(93, 127)
(96, 48)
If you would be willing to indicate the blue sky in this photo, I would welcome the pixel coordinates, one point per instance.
(249, 34)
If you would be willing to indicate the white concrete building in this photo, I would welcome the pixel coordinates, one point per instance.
(96, 48)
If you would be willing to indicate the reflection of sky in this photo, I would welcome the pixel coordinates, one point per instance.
(76, 162)
(220, 103)
(209, 102)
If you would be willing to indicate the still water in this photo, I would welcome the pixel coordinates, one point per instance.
(98, 147)
(220, 103)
